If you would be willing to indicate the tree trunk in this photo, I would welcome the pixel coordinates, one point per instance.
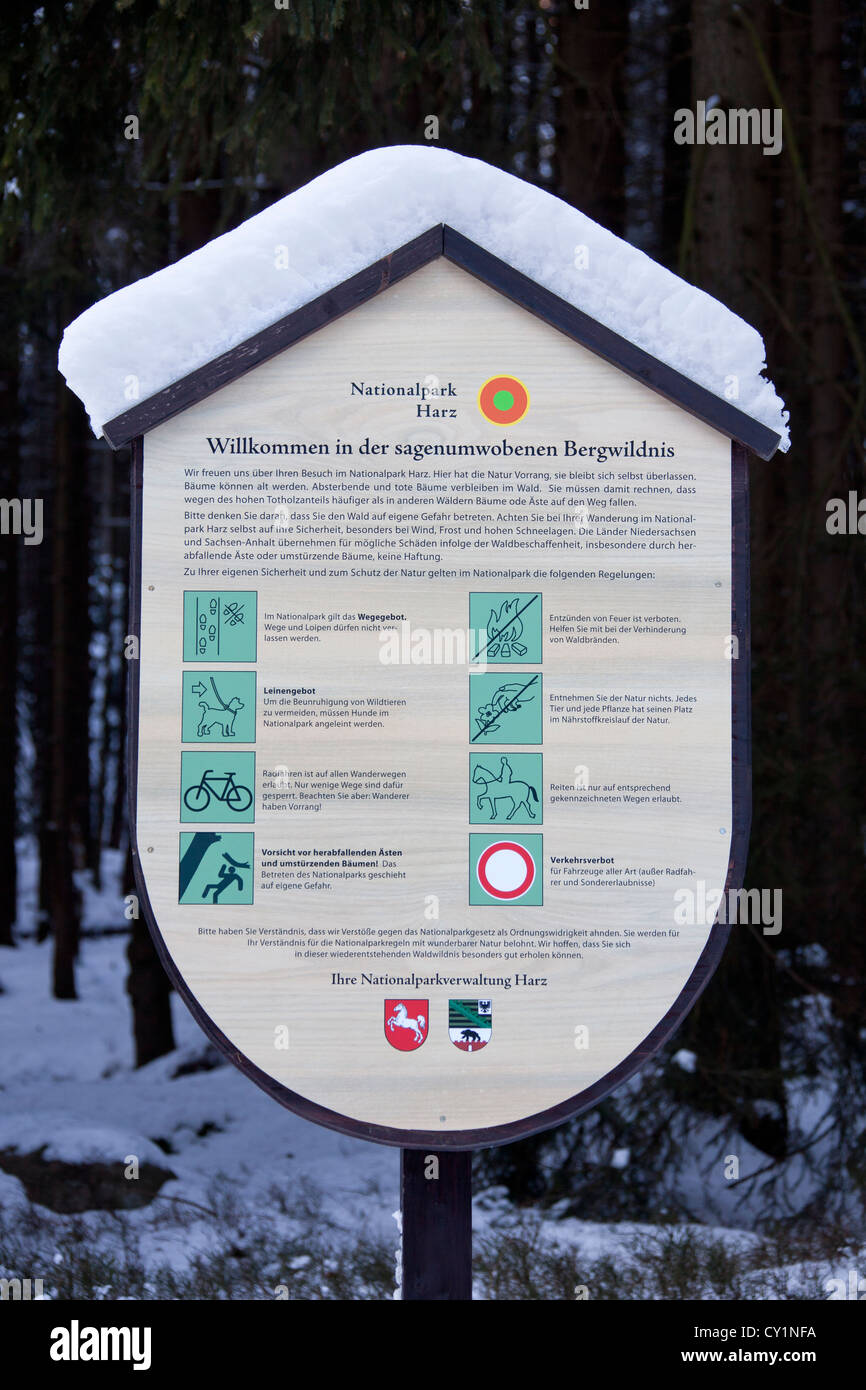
(70, 690)
(831, 614)
(736, 1027)
(590, 144)
(119, 801)
(148, 988)
(732, 245)
(9, 485)
(675, 169)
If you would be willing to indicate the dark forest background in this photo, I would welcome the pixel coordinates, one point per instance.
(240, 103)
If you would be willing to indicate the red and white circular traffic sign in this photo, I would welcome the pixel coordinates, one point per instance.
(506, 870)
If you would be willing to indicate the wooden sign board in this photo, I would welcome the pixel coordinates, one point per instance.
(436, 716)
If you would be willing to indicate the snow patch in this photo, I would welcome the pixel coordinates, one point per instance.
(62, 1140)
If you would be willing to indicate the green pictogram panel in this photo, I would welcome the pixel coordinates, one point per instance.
(216, 869)
(219, 707)
(506, 869)
(505, 708)
(505, 627)
(219, 625)
(506, 788)
(217, 785)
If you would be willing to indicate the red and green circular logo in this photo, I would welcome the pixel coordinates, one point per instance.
(503, 400)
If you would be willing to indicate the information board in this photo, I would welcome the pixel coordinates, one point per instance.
(434, 718)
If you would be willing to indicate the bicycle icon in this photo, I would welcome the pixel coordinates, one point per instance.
(233, 794)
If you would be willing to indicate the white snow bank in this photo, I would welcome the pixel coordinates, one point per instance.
(64, 1139)
(150, 334)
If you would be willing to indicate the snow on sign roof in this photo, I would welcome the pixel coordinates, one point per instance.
(151, 334)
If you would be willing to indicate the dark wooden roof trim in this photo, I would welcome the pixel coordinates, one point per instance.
(438, 241)
(171, 400)
(619, 351)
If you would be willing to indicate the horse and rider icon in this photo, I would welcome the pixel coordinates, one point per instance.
(507, 790)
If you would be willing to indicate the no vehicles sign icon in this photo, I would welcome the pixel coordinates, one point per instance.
(505, 870)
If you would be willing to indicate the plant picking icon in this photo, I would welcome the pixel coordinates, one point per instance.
(508, 698)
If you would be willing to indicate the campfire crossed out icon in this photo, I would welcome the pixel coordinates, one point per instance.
(505, 628)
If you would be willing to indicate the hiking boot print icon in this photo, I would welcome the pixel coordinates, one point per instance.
(221, 788)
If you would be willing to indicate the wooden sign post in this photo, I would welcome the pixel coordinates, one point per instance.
(436, 1209)
(442, 713)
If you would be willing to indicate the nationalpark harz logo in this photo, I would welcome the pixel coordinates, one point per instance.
(503, 400)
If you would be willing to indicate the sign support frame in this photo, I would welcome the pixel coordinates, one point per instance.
(435, 1183)
(436, 1206)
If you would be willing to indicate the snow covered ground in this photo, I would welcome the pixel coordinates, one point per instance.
(242, 1199)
